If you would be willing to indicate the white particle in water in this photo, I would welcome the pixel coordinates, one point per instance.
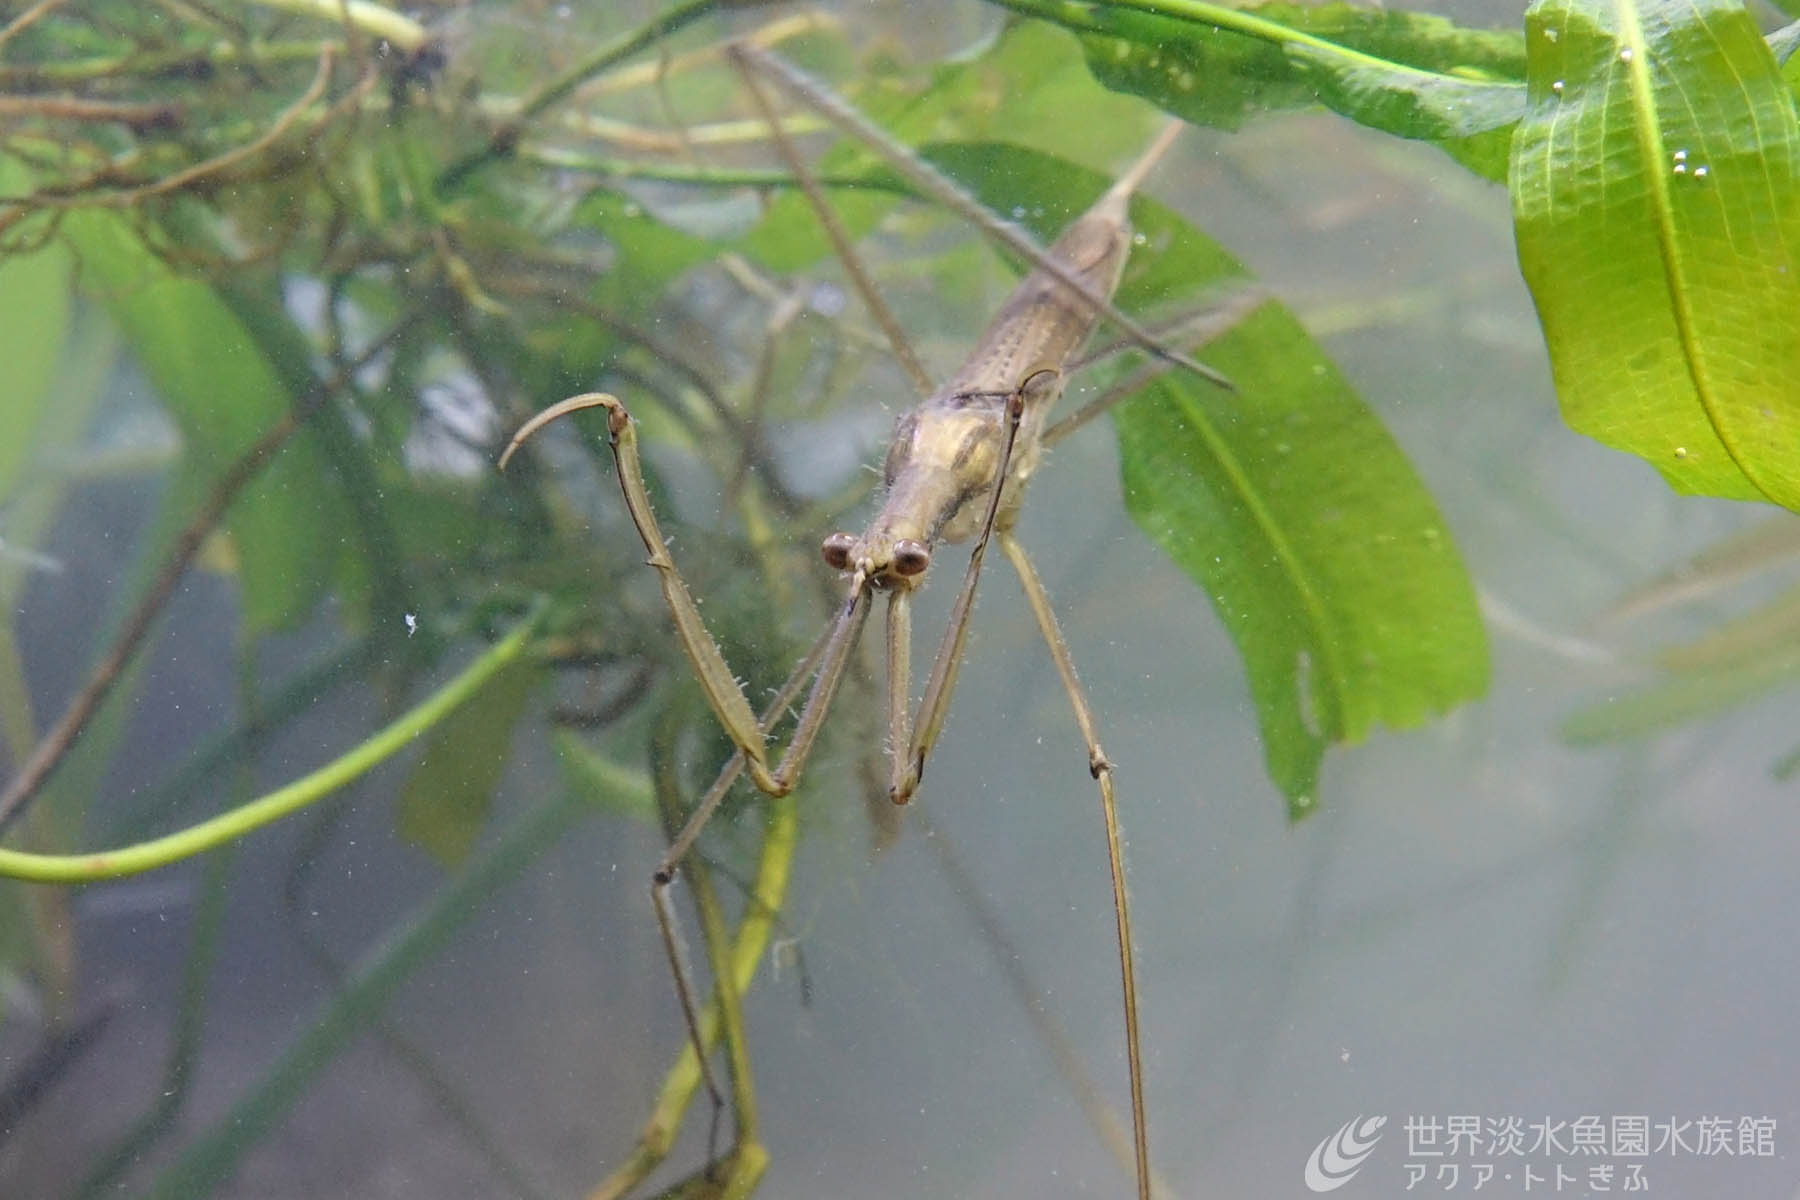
(1681, 452)
(828, 300)
(1681, 156)
(1549, 34)
(1140, 240)
(1681, 168)
(1700, 172)
(1557, 86)
(1625, 54)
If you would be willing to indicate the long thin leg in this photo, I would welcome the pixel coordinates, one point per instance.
(834, 228)
(720, 686)
(899, 673)
(667, 922)
(1197, 330)
(665, 732)
(724, 696)
(939, 187)
(1101, 769)
(1029, 993)
(909, 767)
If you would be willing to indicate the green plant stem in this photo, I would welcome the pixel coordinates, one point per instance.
(505, 139)
(399, 30)
(234, 824)
(223, 54)
(216, 1153)
(774, 866)
(309, 853)
(563, 159)
(714, 932)
(302, 691)
(190, 1015)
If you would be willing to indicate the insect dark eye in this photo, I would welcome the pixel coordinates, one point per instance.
(836, 550)
(910, 558)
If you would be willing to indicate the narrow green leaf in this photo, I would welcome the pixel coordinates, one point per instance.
(444, 804)
(1288, 502)
(1682, 697)
(224, 396)
(1750, 552)
(1321, 549)
(593, 776)
(1657, 213)
(34, 321)
(1410, 74)
(1739, 643)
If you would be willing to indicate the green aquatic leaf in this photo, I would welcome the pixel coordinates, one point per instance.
(34, 322)
(1657, 213)
(445, 802)
(593, 776)
(1321, 549)
(1288, 502)
(1409, 74)
(224, 395)
(1750, 552)
(1683, 697)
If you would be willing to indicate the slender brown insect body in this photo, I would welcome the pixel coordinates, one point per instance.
(945, 454)
(956, 470)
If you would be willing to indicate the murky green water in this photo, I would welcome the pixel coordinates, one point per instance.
(1483, 919)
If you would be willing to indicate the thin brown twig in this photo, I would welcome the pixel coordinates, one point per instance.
(56, 744)
(137, 114)
(833, 227)
(124, 197)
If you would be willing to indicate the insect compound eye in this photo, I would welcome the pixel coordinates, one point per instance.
(836, 550)
(910, 557)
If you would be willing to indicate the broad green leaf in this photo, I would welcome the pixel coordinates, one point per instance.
(1288, 502)
(1322, 551)
(1657, 214)
(648, 254)
(224, 396)
(445, 801)
(1410, 74)
(1782, 44)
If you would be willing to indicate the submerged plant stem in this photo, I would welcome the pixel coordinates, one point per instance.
(760, 909)
(215, 1155)
(68, 729)
(229, 826)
